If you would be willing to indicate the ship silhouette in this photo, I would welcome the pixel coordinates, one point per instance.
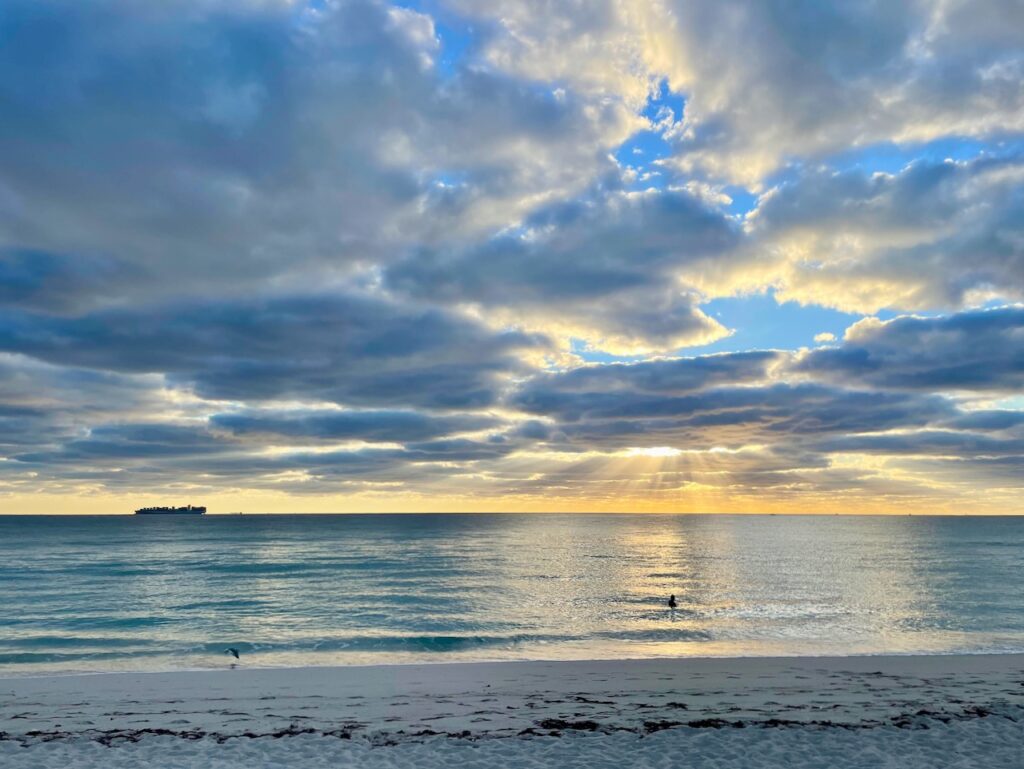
(187, 510)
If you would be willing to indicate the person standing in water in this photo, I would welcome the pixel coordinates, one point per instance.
(672, 602)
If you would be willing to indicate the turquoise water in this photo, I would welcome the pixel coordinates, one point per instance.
(126, 593)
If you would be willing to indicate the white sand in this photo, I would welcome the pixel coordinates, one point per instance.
(961, 711)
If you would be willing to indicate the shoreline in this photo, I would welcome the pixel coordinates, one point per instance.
(596, 713)
(242, 666)
(752, 686)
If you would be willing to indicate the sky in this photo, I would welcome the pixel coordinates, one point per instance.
(622, 255)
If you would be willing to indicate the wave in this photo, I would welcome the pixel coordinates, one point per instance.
(662, 634)
(110, 570)
(394, 643)
(129, 623)
(36, 658)
(63, 651)
(264, 567)
(227, 603)
(72, 642)
(306, 567)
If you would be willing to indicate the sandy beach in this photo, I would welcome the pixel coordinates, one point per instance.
(923, 711)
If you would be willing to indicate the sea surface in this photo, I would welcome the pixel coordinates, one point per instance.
(136, 593)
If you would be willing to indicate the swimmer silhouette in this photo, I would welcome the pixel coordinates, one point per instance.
(672, 601)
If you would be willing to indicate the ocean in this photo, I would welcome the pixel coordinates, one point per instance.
(131, 593)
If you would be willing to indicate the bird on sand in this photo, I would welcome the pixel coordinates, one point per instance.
(232, 651)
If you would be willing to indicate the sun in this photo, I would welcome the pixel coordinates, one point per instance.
(654, 451)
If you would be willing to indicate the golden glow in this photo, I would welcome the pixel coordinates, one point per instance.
(654, 451)
(657, 479)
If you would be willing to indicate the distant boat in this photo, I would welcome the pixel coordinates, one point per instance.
(187, 510)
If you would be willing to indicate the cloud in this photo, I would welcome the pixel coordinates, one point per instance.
(668, 376)
(974, 351)
(364, 425)
(927, 442)
(602, 268)
(737, 424)
(988, 419)
(347, 349)
(728, 416)
(812, 79)
(750, 479)
(43, 405)
(933, 235)
(323, 248)
(41, 280)
(999, 475)
(157, 456)
(208, 147)
(733, 399)
(130, 442)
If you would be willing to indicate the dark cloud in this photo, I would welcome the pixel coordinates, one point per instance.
(40, 280)
(980, 350)
(576, 250)
(927, 442)
(648, 404)
(41, 387)
(988, 419)
(347, 349)
(731, 417)
(678, 375)
(371, 426)
(119, 459)
(805, 406)
(605, 265)
(42, 405)
(460, 450)
(999, 476)
(130, 442)
(208, 147)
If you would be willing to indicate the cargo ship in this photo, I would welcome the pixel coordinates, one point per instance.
(187, 510)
